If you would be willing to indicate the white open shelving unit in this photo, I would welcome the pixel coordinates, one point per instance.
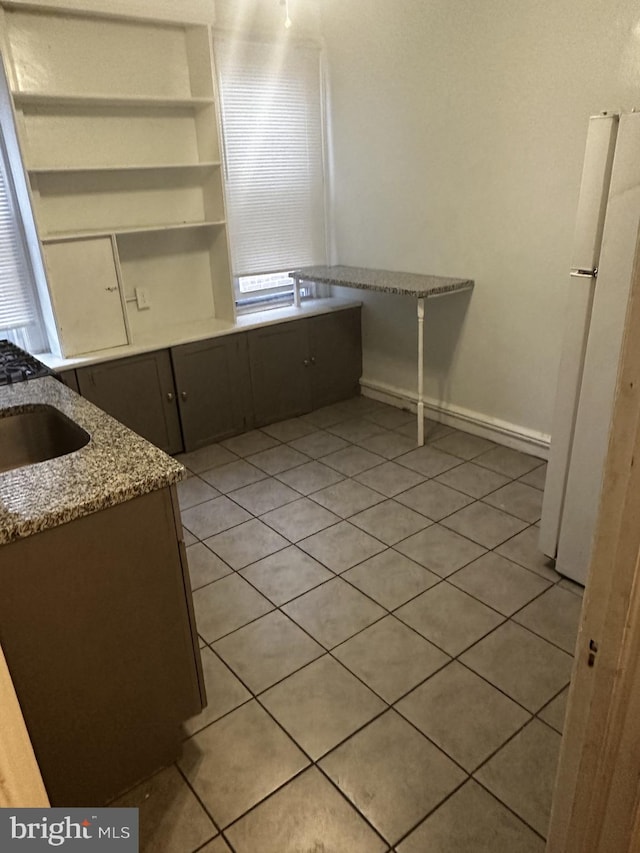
(117, 119)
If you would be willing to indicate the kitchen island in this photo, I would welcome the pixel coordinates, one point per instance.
(96, 617)
(420, 287)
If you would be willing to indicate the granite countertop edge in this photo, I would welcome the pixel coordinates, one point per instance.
(386, 281)
(115, 466)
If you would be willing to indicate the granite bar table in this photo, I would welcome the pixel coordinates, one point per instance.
(420, 287)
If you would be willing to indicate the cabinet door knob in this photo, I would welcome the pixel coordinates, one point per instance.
(306, 362)
(183, 395)
(170, 396)
(313, 359)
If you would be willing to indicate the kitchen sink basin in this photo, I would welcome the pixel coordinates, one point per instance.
(36, 434)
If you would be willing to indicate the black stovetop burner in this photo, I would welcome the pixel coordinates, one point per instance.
(16, 365)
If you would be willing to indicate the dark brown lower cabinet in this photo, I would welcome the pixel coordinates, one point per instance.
(335, 352)
(213, 389)
(96, 624)
(304, 364)
(139, 392)
(198, 393)
(279, 358)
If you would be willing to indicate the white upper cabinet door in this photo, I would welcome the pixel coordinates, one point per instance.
(86, 295)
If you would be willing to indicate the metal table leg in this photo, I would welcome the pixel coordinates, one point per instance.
(420, 372)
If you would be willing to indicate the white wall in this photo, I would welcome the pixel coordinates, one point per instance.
(458, 129)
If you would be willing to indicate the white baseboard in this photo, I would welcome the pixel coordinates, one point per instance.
(502, 432)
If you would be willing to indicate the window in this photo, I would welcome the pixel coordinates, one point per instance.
(20, 319)
(271, 104)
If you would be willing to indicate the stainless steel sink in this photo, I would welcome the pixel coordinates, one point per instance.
(37, 434)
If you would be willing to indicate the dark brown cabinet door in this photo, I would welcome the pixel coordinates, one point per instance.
(212, 383)
(335, 351)
(280, 366)
(139, 392)
(69, 378)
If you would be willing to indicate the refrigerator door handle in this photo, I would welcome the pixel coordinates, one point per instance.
(585, 273)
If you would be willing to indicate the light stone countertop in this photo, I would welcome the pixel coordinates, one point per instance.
(385, 281)
(115, 466)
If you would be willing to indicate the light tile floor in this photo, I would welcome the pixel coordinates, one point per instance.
(386, 652)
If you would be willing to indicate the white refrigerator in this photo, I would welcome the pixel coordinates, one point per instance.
(603, 256)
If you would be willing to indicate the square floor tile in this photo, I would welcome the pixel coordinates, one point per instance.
(484, 524)
(440, 550)
(286, 574)
(325, 417)
(278, 459)
(390, 417)
(188, 538)
(319, 443)
(498, 582)
(214, 516)
(463, 444)
(554, 713)
(509, 462)
(355, 429)
(204, 566)
(299, 519)
(571, 586)
(428, 461)
(536, 478)
(524, 550)
(523, 774)
(310, 477)
(225, 605)
(195, 491)
(289, 430)
(264, 495)
(472, 821)
(246, 543)
(390, 658)
(392, 774)
(341, 546)
(390, 479)
(218, 845)
(170, 817)
(352, 460)
(308, 814)
(388, 444)
(321, 705)
(333, 612)
(522, 665)
(449, 618)
(360, 406)
(224, 692)
(250, 442)
(267, 650)
(473, 480)
(463, 714)
(390, 578)
(347, 498)
(555, 615)
(238, 760)
(233, 476)
(432, 429)
(434, 500)
(518, 499)
(390, 521)
(206, 458)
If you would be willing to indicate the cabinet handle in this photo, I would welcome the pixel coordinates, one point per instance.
(313, 359)
(183, 395)
(306, 362)
(170, 396)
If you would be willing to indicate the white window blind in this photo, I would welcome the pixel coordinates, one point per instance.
(17, 298)
(271, 103)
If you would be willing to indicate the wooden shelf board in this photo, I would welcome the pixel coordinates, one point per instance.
(60, 99)
(143, 229)
(139, 167)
